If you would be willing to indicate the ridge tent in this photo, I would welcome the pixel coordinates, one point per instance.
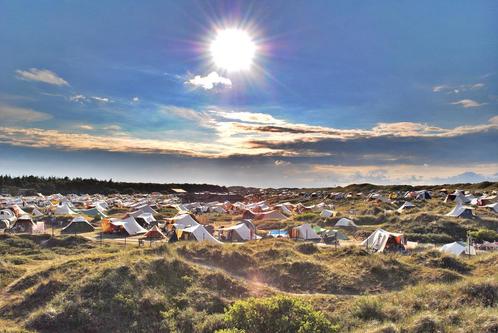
(184, 220)
(93, 212)
(64, 209)
(493, 207)
(345, 222)
(198, 233)
(457, 248)
(36, 212)
(239, 232)
(461, 211)
(154, 233)
(304, 232)
(24, 224)
(327, 213)
(407, 205)
(129, 225)
(145, 219)
(77, 225)
(381, 240)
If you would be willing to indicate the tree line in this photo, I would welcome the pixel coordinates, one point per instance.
(31, 185)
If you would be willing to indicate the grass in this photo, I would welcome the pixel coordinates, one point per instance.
(72, 284)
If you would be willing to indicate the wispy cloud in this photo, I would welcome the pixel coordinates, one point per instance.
(455, 89)
(86, 99)
(18, 115)
(210, 81)
(468, 103)
(41, 75)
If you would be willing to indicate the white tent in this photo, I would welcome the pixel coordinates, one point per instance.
(344, 222)
(461, 211)
(130, 225)
(286, 211)
(64, 209)
(36, 212)
(327, 213)
(184, 220)
(457, 248)
(79, 218)
(378, 239)
(6, 214)
(406, 205)
(201, 234)
(493, 206)
(305, 232)
(243, 232)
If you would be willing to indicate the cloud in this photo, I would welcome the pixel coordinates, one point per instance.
(468, 103)
(18, 115)
(78, 98)
(112, 128)
(101, 99)
(135, 99)
(210, 81)
(86, 127)
(86, 99)
(494, 120)
(41, 75)
(455, 89)
(185, 113)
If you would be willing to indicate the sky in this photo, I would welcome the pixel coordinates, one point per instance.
(338, 92)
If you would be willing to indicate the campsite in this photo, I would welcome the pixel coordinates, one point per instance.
(349, 258)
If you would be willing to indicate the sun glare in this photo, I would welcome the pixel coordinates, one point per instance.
(233, 50)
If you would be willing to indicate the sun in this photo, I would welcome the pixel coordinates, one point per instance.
(233, 50)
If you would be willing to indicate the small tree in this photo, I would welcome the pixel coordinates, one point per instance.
(279, 314)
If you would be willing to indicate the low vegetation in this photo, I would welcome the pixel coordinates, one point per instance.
(72, 284)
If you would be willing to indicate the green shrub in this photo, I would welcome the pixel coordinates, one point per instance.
(484, 235)
(279, 314)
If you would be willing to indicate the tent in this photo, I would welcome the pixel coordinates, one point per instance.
(406, 205)
(344, 222)
(24, 224)
(64, 209)
(6, 214)
(93, 212)
(4, 224)
(183, 220)
(457, 248)
(461, 211)
(331, 236)
(77, 225)
(154, 233)
(286, 211)
(304, 232)
(198, 233)
(130, 225)
(493, 207)
(381, 240)
(327, 213)
(145, 219)
(36, 212)
(423, 195)
(239, 232)
(18, 211)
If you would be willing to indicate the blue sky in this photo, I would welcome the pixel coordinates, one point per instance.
(339, 92)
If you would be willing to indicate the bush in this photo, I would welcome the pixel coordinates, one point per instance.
(484, 235)
(368, 309)
(307, 248)
(279, 314)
